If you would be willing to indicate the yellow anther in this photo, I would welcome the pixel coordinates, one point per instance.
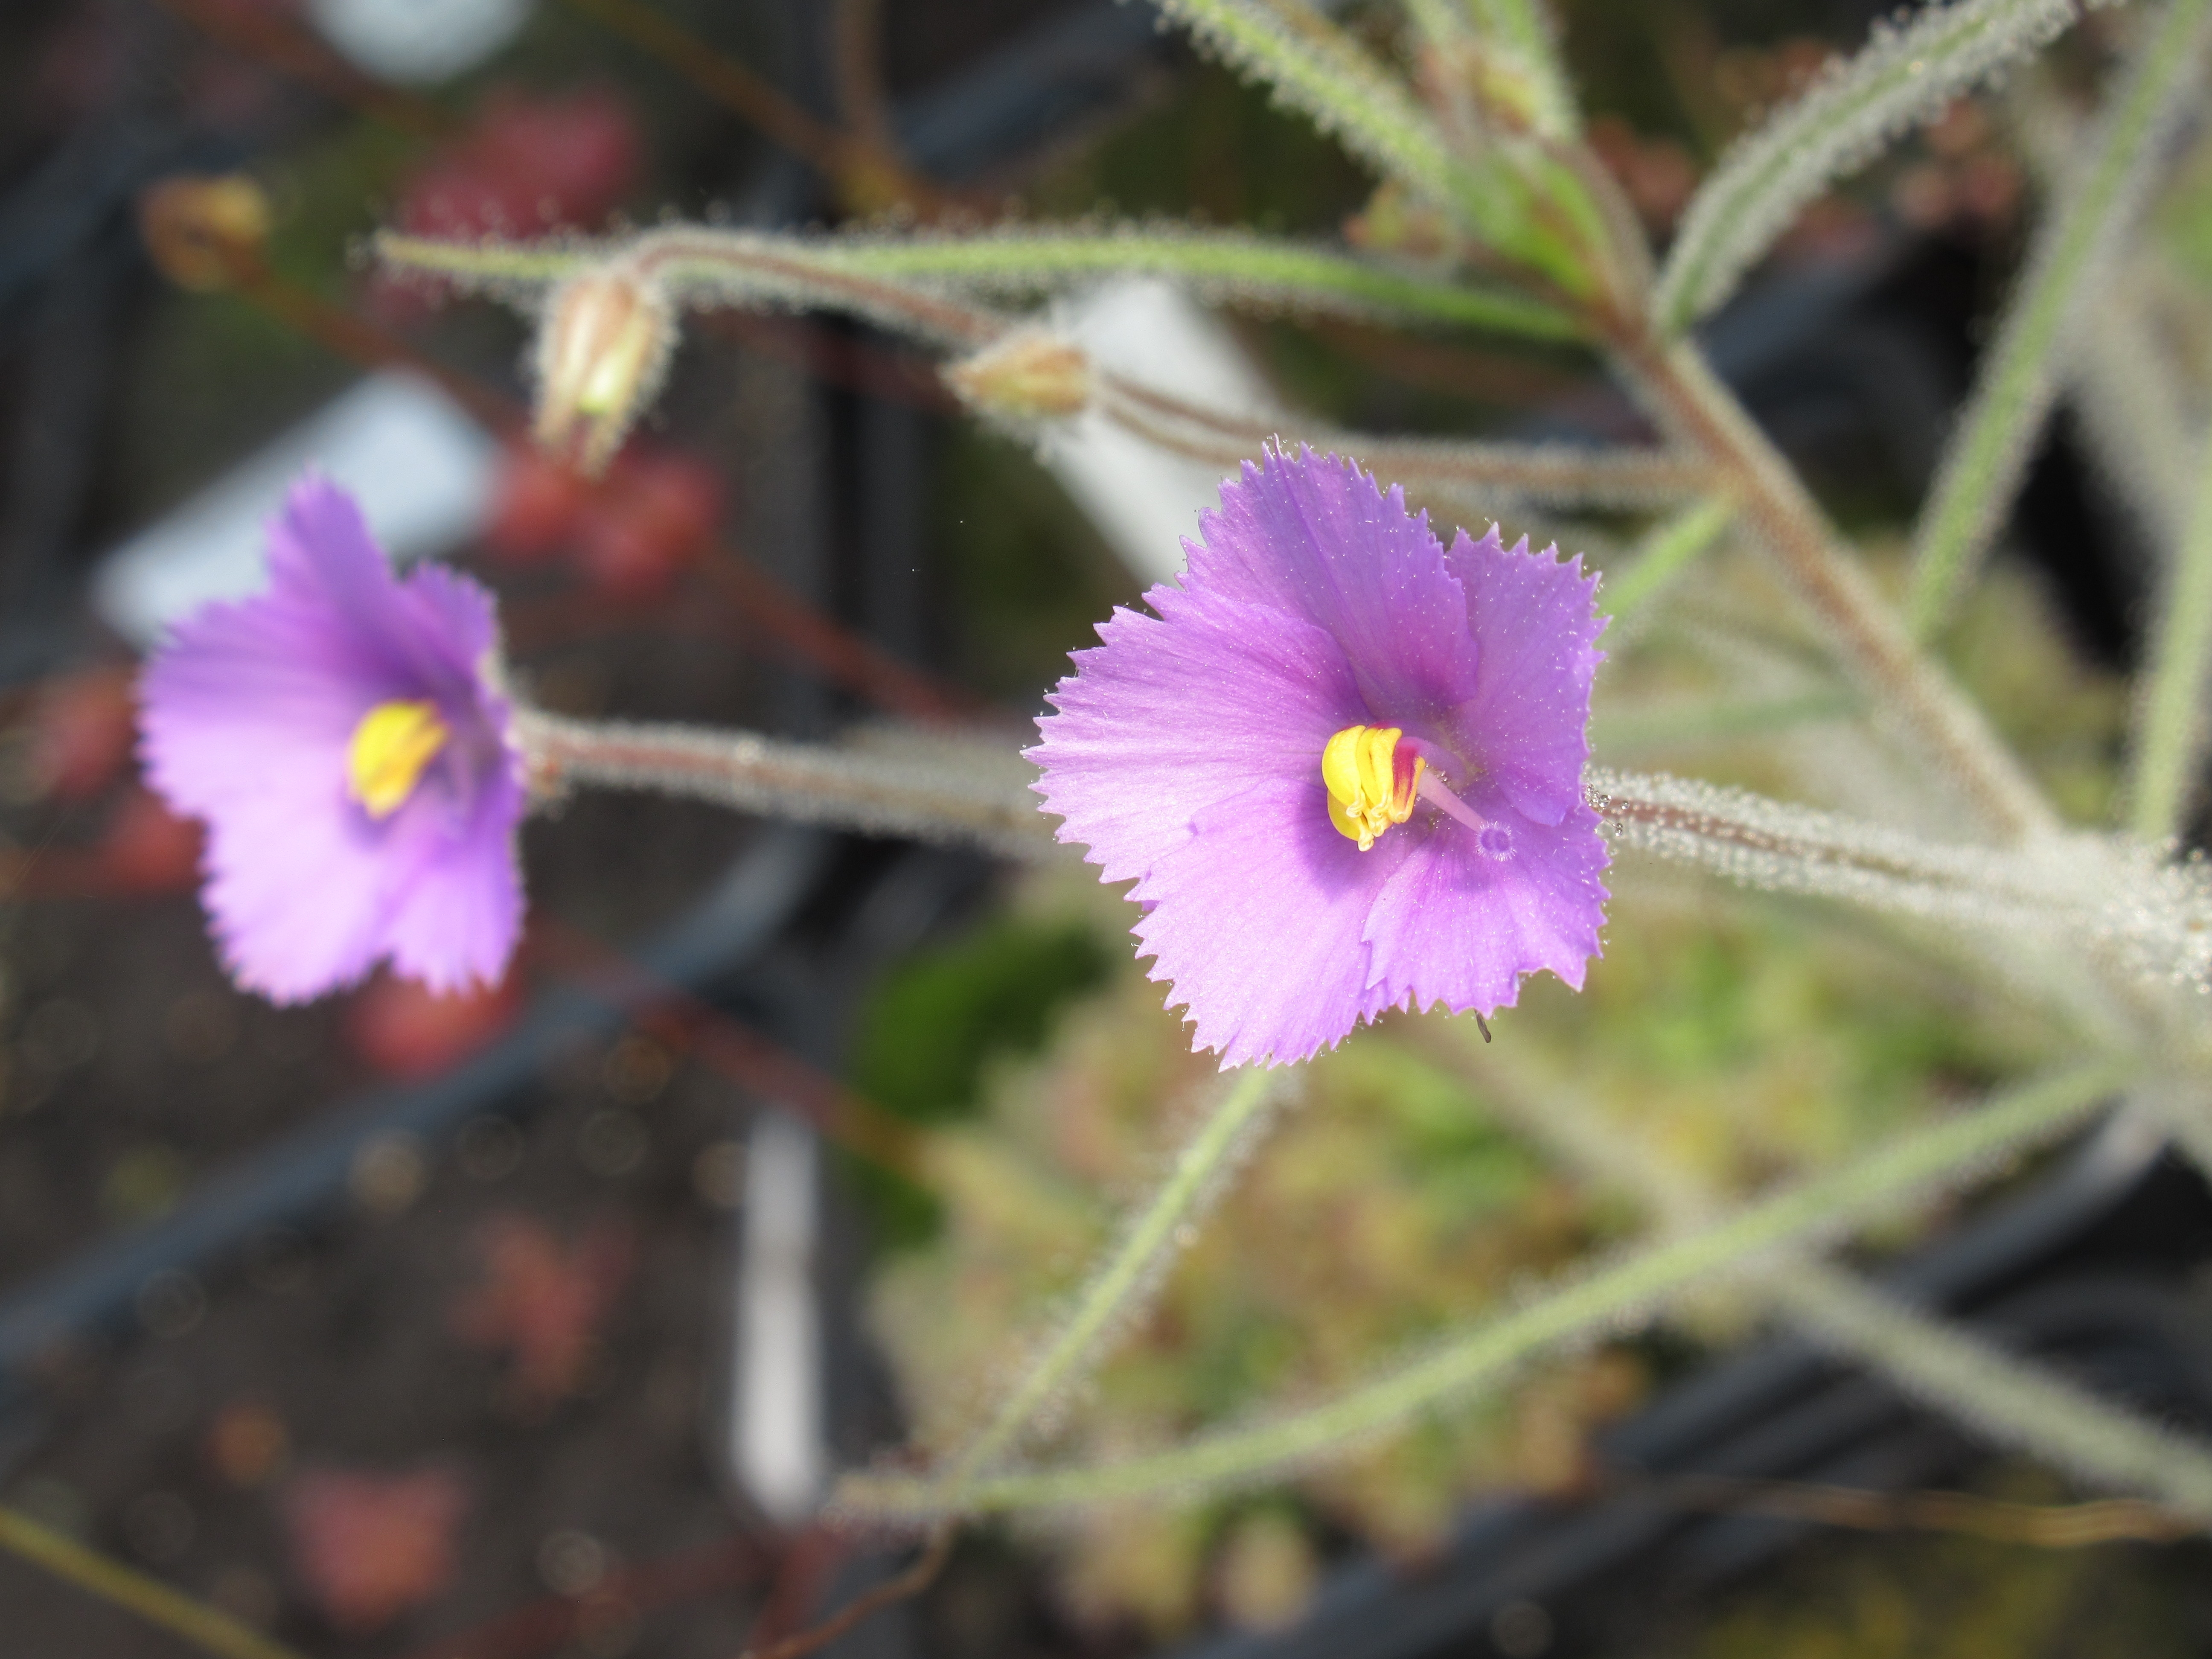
(1370, 786)
(390, 748)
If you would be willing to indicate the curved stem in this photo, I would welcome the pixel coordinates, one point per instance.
(2007, 1398)
(1578, 1309)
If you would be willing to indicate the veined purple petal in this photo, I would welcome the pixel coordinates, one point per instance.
(1317, 538)
(1169, 716)
(1454, 928)
(1185, 752)
(248, 713)
(1257, 920)
(1528, 723)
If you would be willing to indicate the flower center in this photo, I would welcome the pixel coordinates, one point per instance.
(1370, 785)
(390, 748)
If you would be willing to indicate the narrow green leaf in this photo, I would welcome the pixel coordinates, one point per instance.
(1902, 76)
(1665, 554)
(1230, 268)
(1996, 432)
(2169, 744)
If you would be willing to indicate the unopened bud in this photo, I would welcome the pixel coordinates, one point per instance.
(204, 233)
(601, 353)
(1030, 375)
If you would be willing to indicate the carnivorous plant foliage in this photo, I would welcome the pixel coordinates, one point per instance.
(1345, 759)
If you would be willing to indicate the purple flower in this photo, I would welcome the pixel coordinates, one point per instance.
(343, 738)
(1343, 764)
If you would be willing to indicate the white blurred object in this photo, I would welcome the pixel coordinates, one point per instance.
(776, 1443)
(423, 469)
(1142, 499)
(418, 42)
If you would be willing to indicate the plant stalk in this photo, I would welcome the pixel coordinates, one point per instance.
(1578, 1309)
(806, 783)
(1862, 630)
(2170, 730)
(1134, 1264)
(211, 1632)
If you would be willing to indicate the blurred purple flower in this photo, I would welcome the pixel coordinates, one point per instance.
(345, 739)
(1343, 764)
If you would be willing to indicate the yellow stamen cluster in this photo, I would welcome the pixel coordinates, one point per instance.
(1370, 786)
(390, 748)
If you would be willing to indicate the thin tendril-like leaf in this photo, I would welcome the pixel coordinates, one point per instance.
(206, 1628)
(1522, 28)
(1567, 474)
(2005, 1398)
(2153, 917)
(1996, 432)
(1665, 554)
(2170, 731)
(1317, 69)
(2008, 1398)
(1136, 1262)
(1578, 1309)
(1228, 267)
(1902, 76)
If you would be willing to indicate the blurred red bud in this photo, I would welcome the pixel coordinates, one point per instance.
(538, 505)
(406, 1031)
(655, 518)
(82, 727)
(367, 1547)
(148, 848)
(527, 165)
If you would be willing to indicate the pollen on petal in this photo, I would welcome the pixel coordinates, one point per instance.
(390, 748)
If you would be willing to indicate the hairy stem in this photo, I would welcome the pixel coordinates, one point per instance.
(2003, 1397)
(1135, 1262)
(1860, 628)
(1996, 432)
(2170, 729)
(973, 804)
(151, 1599)
(1902, 76)
(1561, 474)
(1229, 267)
(1666, 553)
(1578, 1309)
(2007, 1398)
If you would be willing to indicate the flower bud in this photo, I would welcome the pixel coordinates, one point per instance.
(1030, 375)
(601, 353)
(204, 233)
